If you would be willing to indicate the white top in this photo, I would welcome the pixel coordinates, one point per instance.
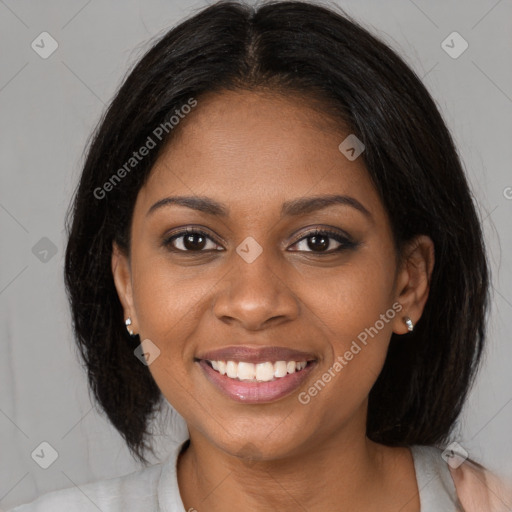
(155, 489)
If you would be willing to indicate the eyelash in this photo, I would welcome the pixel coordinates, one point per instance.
(345, 242)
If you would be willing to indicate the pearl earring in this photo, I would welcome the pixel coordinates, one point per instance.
(408, 322)
(128, 322)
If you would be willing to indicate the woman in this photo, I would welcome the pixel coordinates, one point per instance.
(273, 232)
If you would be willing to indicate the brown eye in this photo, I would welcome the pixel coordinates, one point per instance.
(190, 240)
(319, 241)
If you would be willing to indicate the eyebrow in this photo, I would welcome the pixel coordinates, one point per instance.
(295, 207)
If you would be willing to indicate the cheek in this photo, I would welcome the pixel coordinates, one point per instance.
(355, 309)
(358, 327)
(169, 308)
(169, 304)
(350, 299)
(169, 311)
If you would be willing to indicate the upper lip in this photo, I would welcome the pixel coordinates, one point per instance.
(256, 354)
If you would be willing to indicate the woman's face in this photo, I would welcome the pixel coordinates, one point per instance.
(260, 279)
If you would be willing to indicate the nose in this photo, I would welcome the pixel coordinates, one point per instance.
(255, 294)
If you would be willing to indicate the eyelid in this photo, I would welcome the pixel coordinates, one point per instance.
(339, 235)
(332, 232)
(175, 235)
(345, 241)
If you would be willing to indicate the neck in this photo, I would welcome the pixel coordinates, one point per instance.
(342, 472)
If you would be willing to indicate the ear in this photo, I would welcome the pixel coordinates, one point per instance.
(121, 273)
(413, 280)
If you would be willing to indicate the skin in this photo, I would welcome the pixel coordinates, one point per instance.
(252, 152)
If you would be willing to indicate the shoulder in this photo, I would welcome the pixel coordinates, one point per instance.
(480, 489)
(134, 491)
(463, 481)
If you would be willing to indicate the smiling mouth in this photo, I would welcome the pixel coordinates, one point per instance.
(267, 371)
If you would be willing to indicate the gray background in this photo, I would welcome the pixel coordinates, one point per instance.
(48, 109)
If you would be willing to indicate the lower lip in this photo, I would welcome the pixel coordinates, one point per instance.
(256, 392)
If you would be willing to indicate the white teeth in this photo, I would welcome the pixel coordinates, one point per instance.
(259, 372)
(280, 369)
(245, 371)
(231, 369)
(264, 371)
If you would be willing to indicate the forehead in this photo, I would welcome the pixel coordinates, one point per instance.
(249, 149)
